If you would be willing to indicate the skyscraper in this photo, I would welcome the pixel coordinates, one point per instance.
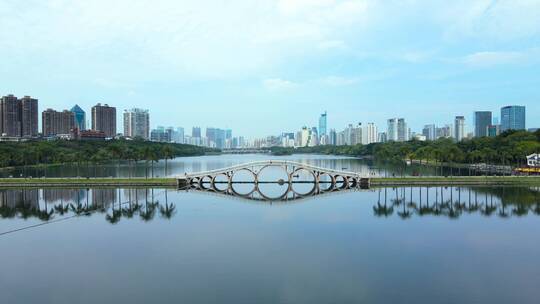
(10, 118)
(402, 130)
(55, 123)
(482, 119)
(392, 131)
(429, 132)
(196, 132)
(80, 117)
(322, 124)
(137, 123)
(29, 116)
(18, 117)
(459, 128)
(369, 133)
(104, 119)
(512, 118)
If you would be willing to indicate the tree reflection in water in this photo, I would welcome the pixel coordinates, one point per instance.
(503, 202)
(63, 203)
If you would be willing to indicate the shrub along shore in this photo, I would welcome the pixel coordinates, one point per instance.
(38, 152)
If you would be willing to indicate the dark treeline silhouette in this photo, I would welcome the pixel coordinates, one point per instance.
(510, 147)
(453, 202)
(141, 203)
(64, 151)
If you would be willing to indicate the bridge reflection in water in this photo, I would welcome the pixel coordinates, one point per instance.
(274, 180)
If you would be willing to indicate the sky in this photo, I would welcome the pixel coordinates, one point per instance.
(262, 67)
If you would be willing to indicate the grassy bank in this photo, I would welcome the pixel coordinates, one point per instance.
(171, 182)
(457, 180)
(87, 182)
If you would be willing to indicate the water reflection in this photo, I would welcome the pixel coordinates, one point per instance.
(454, 202)
(181, 165)
(115, 204)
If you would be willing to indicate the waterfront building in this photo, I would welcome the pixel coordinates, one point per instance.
(196, 132)
(382, 137)
(9, 116)
(512, 118)
(402, 130)
(482, 119)
(216, 137)
(392, 130)
(369, 133)
(305, 136)
(493, 130)
(56, 123)
(322, 124)
(137, 123)
(179, 136)
(18, 117)
(429, 131)
(104, 119)
(332, 137)
(80, 117)
(160, 135)
(459, 128)
(29, 116)
(444, 132)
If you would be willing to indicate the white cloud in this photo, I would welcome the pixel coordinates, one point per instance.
(336, 81)
(278, 84)
(332, 45)
(494, 58)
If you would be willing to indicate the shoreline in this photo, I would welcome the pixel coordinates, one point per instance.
(174, 182)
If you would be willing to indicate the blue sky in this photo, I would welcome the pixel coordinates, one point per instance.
(267, 66)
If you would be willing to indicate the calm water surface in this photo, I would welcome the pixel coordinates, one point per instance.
(387, 245)
(182, 165)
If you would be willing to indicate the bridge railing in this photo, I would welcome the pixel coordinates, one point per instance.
(269, 163)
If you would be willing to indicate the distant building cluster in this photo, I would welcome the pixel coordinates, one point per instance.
(19, 121)
(397, 130)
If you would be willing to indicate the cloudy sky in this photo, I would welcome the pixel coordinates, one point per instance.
(262, 67)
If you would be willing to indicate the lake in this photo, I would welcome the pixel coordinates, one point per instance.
(382, 245)
(181, 165)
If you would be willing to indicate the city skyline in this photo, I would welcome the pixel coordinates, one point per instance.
(367, 59)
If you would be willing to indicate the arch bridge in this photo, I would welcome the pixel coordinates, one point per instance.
(287, 175)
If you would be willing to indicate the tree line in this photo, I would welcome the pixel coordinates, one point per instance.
(509, 148)
(62, 151)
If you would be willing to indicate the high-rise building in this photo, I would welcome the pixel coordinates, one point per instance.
(459, 128)
(196, 132)
(137, 123)
(392, 131)
(332, 137)
(104, 119)
(512, 118)
(80, 117)
(18, 117)
(322, 124)
(29, 116)
(56, 123)
(482, 119)
(369, 133)
(430, 132)
(402, 130)
(493, 130)
(160, 134)
(179, 136)
(10, 117)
